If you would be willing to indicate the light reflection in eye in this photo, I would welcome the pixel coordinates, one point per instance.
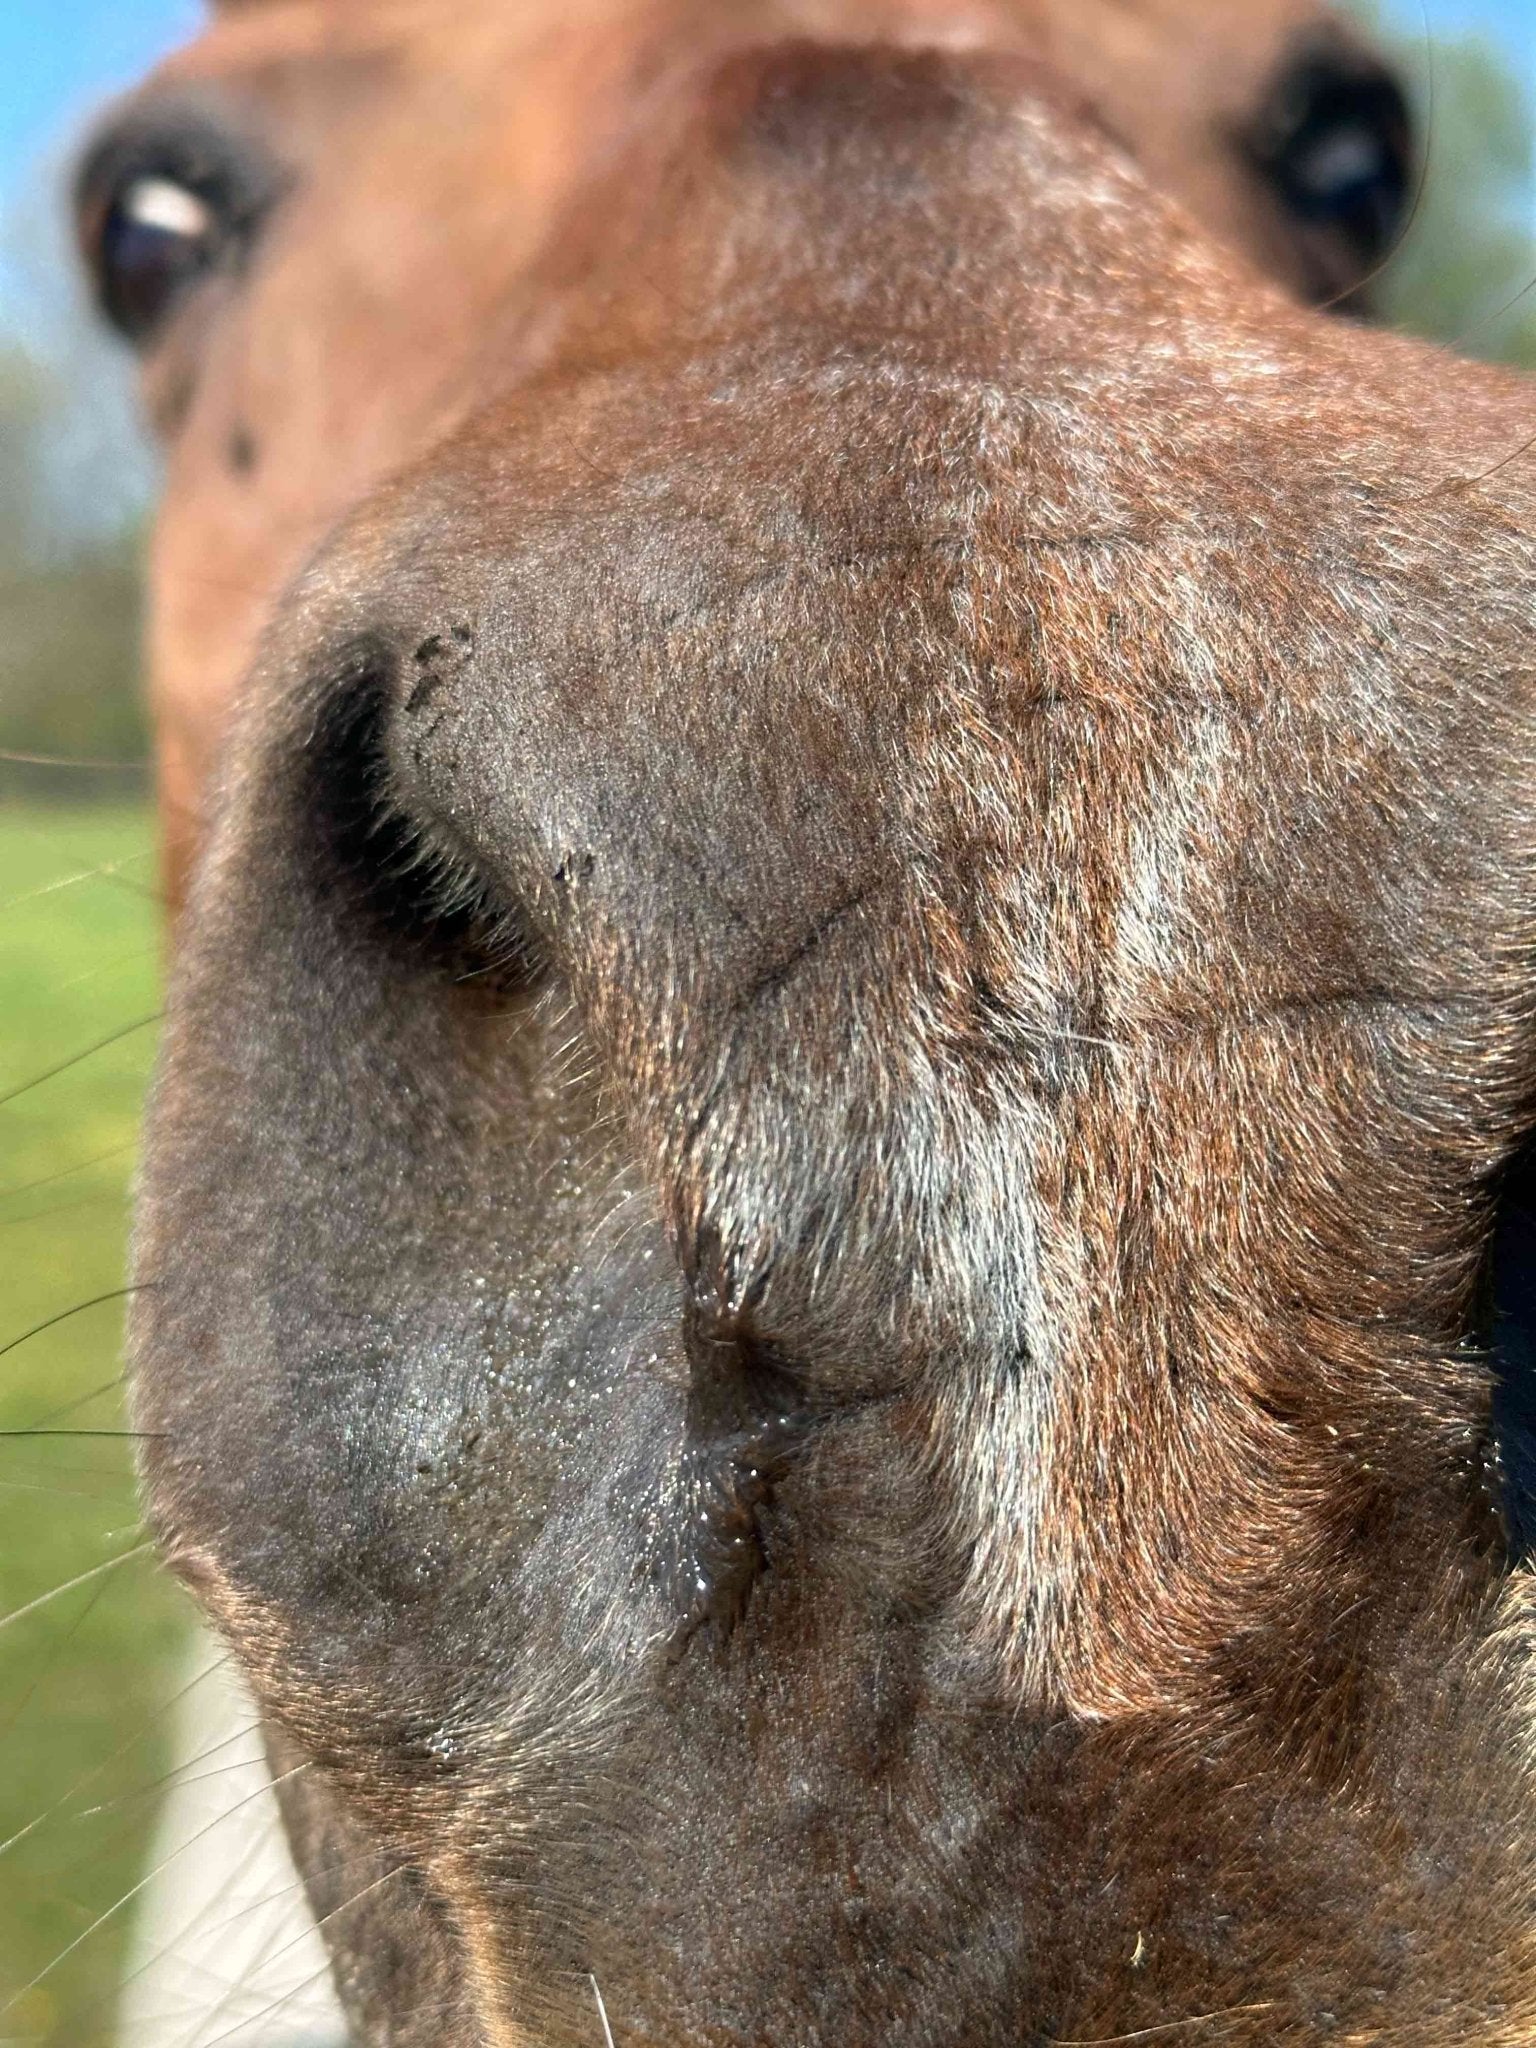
(160, 203)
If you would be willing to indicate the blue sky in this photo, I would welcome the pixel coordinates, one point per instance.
(58, 58)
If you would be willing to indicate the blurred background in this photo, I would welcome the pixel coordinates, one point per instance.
(94, 1646)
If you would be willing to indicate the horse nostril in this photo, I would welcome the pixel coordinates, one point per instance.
(373, 853)
(743, 1384)
(745, 1416)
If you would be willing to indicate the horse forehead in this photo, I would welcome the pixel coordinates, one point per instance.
(1093, 38)
(1131, 15)
(505, 111)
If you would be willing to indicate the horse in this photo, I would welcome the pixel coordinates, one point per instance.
(829, 1267)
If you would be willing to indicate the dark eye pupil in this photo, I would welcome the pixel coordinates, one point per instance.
(1342, 173)
(1335, 168)
(157, 237)
(1334, 141)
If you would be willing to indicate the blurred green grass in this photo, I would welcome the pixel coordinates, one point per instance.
(84, 1676)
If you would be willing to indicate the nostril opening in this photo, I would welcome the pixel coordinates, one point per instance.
(392, 876)
(1505, 1330)
(743, 1383)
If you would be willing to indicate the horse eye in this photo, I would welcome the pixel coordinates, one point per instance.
(166, 196)
(1345, 171)
(1335, 142)
(1343, 174)
(154, 240)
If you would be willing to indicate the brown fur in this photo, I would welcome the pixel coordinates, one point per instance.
(815, 1209)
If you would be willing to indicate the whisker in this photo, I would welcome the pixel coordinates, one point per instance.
(602, 2010)
(30, 760)
(127, 1897)
(27, 1187)
(53, 1490)
(1195, 2019)
(112, 1038)
(1467, 483)
(51, 1661)
(139, 1734)
(1465, 334)
(133, 1436)
(80, 1579)
(296, 1941)
(202, 1930)
(168, 1949)
(72, 1407)
(112, 1198)
(176, 1779)
(1421, 186)
(306, 1984)
(63, 1316)
(107, 871)
(100, 969)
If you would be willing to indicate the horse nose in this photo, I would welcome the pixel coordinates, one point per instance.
(590, 764)
(603, 777)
